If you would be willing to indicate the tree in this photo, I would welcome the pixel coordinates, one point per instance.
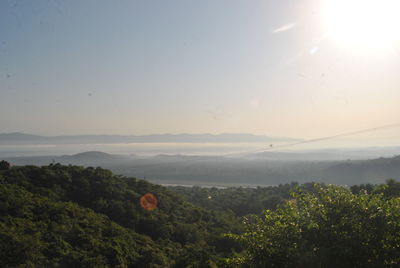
(391, 189)
(4, 165)
(330, 228)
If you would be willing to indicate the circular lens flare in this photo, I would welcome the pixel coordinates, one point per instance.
(148, 202)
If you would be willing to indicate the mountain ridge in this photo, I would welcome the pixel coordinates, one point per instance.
(24, 138)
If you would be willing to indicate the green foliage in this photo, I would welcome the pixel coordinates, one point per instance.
(69, 216)
(240, 201)
(330, 228)
(87, 217)
(42, 233)
(4, 165)
(390, 189)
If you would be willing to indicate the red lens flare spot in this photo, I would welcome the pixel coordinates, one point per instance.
(148, 201)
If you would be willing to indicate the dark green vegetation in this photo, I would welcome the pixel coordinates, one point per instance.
(4, 165)
(69, 216)
(241, 201)
(331, 227)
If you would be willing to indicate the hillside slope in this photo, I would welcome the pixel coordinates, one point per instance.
(72, 216)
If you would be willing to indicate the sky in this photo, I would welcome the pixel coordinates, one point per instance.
(229, 66)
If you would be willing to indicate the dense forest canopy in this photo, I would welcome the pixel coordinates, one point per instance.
(90, 217)
(331, 228)
(71, 216)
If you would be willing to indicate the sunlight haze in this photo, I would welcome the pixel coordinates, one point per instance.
(277, 68)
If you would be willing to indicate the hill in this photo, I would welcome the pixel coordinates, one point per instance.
(367, 171)
(229, 171)
(72, 216)
(91, 158)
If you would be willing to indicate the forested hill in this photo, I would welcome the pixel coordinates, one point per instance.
(72, 216)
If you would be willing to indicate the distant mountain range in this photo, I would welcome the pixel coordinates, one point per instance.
(23, 138)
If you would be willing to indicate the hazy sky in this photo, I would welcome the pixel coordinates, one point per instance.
(142, 67)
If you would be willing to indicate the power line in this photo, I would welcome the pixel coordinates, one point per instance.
(272, 148)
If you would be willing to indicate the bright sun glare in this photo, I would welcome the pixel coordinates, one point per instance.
(363, 26)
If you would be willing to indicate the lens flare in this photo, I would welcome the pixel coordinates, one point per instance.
(148, 202)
